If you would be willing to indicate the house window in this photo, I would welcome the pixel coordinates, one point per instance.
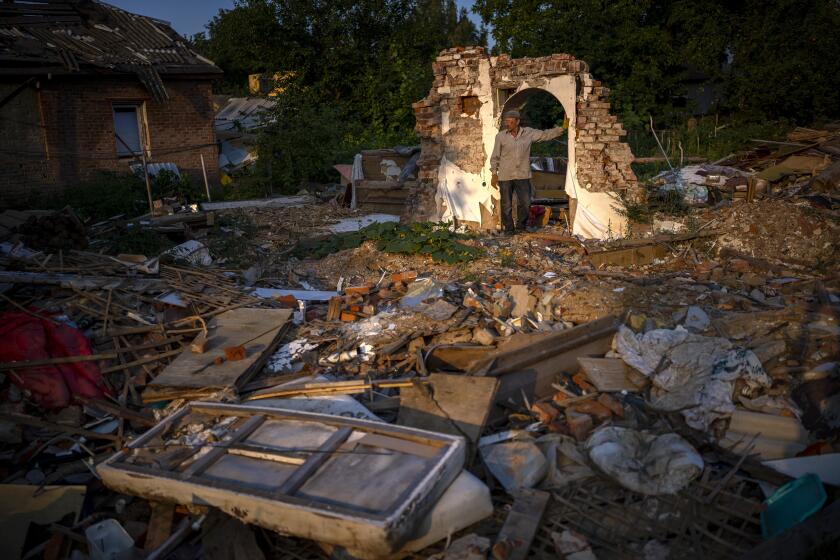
(128, 129)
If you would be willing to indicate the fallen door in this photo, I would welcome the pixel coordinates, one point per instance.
(343, 481)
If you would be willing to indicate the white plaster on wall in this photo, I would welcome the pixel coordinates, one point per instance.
(444, 121)
(460, 193)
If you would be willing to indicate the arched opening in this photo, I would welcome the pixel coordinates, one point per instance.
(549, 160)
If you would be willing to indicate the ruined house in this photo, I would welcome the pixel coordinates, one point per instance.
(87, 87)
(460, 117)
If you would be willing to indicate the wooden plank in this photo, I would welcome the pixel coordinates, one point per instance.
(607, 374)
(160, 525)
(517, 534)
(630, 256)
(397, 444)
(530, 363)
(314, 462)
(197, 374)
(26, 420)
(451, 404)
(335, 388)
(205, 462)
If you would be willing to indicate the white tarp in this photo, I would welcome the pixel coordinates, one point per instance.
(460, 194)
(692, 374)
(597, 215)
(644, 462)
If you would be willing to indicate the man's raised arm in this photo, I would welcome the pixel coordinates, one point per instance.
(551, 133)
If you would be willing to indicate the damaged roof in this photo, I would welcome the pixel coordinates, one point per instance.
(84, 36)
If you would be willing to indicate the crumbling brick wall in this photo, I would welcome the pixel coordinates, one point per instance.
(602, 160)
(77, 133)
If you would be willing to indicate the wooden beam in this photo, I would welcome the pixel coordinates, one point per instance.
(26, 420)
(160, 525)
(517, 534)
(336, 388)
(89, 358)
(15, 92)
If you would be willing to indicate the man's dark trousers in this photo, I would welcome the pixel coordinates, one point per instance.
(522, 189)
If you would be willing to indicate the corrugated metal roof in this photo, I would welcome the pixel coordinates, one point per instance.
(40, 36)
(243, 114)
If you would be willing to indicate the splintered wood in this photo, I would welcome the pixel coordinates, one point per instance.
(233, 334)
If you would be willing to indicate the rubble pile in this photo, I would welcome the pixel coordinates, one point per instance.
(669, 395)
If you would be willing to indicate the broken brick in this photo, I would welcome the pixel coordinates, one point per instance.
(287, 301)
(405, 277)
(545, 412)
(359, 290)
(235, 353)
(593, 408)
(582, 381)
(579, 424)
(613, 404)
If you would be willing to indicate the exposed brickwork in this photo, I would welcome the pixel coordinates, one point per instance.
(602, 159)
(78, 133)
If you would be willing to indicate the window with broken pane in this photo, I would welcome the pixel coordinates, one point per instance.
(127, 129)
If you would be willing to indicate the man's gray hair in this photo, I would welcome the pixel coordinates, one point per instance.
(511, 114)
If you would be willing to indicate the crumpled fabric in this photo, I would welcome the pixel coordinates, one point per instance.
(643, 462)
(690, 373)
(24, 338)
(566, 463)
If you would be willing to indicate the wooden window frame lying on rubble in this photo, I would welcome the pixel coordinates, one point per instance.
(376, 532)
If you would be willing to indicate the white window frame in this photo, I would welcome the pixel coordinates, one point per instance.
(142, 128)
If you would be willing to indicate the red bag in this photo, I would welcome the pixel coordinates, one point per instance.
(25, 338)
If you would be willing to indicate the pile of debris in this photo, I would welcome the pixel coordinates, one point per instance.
(670, 395)
(807, 165)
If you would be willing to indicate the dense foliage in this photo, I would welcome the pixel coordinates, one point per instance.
(764, 60)
(436, 240)
(352, 69)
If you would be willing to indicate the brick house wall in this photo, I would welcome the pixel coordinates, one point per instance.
(74, 139)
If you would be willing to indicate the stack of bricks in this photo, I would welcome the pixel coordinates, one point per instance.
(507, 69)
(603, 160)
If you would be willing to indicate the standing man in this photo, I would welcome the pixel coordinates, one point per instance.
(511, 166)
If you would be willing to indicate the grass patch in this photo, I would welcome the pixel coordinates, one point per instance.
(422, 238)
(230, 239)
(667, 203)
(141, 242)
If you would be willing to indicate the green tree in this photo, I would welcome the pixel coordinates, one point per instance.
(356, 67)
(772, 59)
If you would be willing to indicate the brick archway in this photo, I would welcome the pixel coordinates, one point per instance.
(458, 120)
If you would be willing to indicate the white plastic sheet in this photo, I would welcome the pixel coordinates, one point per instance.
(692, 374)
(643, 462)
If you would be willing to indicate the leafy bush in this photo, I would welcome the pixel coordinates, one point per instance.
(423, 238)
(107, 194)
(141, 242)
(167, 184)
